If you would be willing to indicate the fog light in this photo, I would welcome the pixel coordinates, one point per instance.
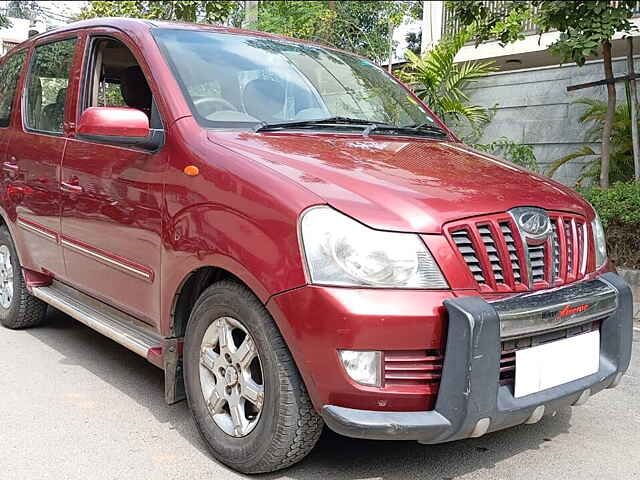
(364, 367)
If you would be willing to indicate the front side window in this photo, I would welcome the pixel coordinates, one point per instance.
(236, 80)
(115, 79)
(47, 85)
(9, 74)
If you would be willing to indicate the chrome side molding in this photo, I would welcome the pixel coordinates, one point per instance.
(38, 230)
(547, 310)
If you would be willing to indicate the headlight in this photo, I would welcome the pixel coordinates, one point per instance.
(341, 251)
(599, 241)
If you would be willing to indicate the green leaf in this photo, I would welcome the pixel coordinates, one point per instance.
(442, 84)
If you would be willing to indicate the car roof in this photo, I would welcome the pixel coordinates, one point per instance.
(139, 25)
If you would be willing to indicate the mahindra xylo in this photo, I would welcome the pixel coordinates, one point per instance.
(295, 239)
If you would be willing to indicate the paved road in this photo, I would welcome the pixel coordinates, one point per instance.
(74, 405)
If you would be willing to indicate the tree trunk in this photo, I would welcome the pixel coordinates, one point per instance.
(634, 109)
(330, 33)
(250, 13)
(390, 65)
(611, 107)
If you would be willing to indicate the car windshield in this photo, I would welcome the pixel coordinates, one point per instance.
(243, 81)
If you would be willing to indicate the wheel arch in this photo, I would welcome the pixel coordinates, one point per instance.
(196, 281)
(188, 292)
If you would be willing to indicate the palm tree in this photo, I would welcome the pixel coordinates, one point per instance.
(621, 157)
(441, 83)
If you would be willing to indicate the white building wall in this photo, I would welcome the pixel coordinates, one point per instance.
(533, 107)
(16, 33)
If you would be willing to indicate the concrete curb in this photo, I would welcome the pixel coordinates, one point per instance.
(633, 279)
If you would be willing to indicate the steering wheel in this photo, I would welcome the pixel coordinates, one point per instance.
(208, 105)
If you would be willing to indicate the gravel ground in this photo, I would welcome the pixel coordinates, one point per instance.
(75, 405)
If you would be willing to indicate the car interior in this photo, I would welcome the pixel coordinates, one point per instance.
(117, 79)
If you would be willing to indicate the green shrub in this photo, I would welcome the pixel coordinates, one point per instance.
(619, 210)
(618, 204)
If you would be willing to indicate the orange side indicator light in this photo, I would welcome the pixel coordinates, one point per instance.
(191, 170)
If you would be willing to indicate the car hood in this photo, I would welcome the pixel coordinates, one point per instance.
(401, 184)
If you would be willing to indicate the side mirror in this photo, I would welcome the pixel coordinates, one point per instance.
(120, 126)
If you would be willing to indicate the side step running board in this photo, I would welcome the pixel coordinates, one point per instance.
(108, 321)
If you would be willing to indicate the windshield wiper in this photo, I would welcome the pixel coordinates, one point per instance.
(420, 129)
(424, 129)
(264, 126)
(428, 127)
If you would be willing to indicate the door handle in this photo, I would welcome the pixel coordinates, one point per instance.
(71, 187)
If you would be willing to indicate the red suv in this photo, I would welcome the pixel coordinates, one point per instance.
(295, 239)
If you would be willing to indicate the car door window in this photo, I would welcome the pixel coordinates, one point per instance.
(47, 85)
(9, 74)
(115, 78)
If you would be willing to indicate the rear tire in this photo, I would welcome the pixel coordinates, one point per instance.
(18, 308)
(282, 426)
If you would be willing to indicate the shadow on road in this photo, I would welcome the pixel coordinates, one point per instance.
(335, 457)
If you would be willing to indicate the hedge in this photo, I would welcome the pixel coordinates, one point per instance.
(619, 210)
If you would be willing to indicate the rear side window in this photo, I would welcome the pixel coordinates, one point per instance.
(9, 73)
(47, 85)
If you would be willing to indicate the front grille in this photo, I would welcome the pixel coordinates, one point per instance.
(509, 347)
(413, 368)
(500, 260)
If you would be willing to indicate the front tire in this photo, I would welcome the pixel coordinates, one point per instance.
(18, 308)
(243, 388)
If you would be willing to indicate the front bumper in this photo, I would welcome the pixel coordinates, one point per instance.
(471, 401)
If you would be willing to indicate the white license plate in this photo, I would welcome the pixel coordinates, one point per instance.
(555, 363)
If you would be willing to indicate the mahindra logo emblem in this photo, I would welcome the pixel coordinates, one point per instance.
(567, 310)
(532, 222)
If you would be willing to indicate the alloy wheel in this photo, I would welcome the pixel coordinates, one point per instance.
(231, 377)
(6, 277)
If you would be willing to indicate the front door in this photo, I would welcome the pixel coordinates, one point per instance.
(34, 154)
(112, 195)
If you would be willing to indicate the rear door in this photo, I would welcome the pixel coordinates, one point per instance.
(35, 153)
(10, 70)
(9, 75)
